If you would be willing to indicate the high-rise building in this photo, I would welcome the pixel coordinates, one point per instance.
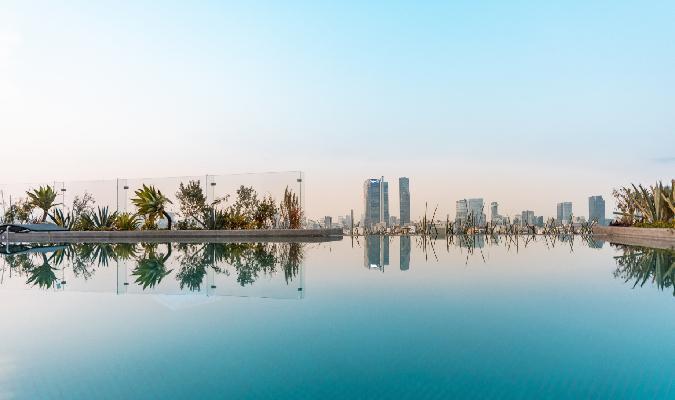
(376, 202)
(404, 200)
(328, 221)
(494, 211)
(475, 208)
(596, 210)
(527, 218)
(564, 214)
(461, 211)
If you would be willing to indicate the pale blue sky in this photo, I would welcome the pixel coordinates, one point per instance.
(526, 103)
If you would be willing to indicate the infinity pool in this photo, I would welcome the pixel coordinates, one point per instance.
(374, 318)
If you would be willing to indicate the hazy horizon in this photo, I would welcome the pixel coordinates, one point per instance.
(525, 104)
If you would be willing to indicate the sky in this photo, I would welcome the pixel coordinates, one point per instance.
(525, 103)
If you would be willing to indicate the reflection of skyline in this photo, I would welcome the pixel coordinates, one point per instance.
(405, 252)
(376, 252)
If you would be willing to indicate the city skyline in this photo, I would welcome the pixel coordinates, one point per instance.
(448, 95)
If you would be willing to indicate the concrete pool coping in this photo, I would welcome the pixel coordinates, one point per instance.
(661, 238)
(187, 236)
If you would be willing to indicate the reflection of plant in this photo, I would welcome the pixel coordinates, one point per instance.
(126, 222)
(42, 275)
(151, 203)
(641, 264)
(151, 269)
(291, 212)
(290, 258)
(194, 262)
(42, 198)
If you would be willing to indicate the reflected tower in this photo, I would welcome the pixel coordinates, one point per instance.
(405, 252)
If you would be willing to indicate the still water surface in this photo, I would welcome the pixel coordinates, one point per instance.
(374, 318)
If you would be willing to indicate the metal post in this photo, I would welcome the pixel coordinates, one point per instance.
(351, 220)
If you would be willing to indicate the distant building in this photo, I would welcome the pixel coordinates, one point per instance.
(328, 221)
(564, 215)
(404, 200)
(376, 202)
(475, 207)
(494, 211)
(461, 211)
(527, 218)
(393, 221)
(596, 210)
(540, 221)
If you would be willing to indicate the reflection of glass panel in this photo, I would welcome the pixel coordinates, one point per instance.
(208, 269)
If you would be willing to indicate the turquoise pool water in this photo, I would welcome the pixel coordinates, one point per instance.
(378, 318)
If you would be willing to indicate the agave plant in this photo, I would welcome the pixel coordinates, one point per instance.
(126, 222)
(639, 204)
(151, 204)
(65, 220)
(42, 198)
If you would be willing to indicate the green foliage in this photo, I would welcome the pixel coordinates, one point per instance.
(643, 264)
(151, 204)
(637, 204)
(291, 212)
(192, 206)
(62, 219)
(151, 269)
(42, 198)
(103, 219)
(42, 275)
(19, 212)
(126, 222)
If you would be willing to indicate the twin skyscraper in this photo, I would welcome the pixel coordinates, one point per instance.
(376, 203)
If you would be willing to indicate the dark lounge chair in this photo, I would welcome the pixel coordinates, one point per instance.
(23, 228)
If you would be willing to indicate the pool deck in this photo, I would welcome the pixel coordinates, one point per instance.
(661, 238)
(187, 236)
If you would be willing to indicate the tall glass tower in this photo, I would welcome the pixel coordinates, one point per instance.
(596, 209)
(404, 200)
(375, 202)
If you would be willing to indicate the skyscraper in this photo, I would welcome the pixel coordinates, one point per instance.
(494, 211)
(596, 209)
(475, 207)
(461, 211)
(527, 218)
(564, 214)
(376, 202)
(404, 201)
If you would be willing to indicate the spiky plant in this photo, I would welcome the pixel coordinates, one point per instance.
(290, 210)
(126, 222)
(151, 204)
(42, 198)
(62, 219)
(103, 219)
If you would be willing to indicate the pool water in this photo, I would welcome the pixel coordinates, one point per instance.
(373, 318)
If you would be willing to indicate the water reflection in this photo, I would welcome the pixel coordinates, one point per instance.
(405, 252)
(376, 252)
(210, 268)
(640, 265)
